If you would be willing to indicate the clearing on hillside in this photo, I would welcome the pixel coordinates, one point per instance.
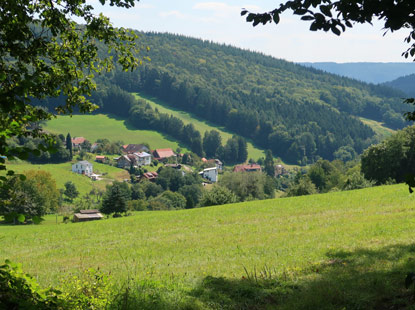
(113, 128)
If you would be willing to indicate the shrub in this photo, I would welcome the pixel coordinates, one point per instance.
(20, 291)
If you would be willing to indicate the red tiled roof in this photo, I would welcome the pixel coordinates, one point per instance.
(251, 167)
(99, 157)
(150, 175)
(78, 140)
(163, 153)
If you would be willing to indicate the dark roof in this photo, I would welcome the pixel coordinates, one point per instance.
(135, 148)
(89, 211)
(84, 162)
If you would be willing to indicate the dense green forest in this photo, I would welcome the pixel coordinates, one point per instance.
(300, 113)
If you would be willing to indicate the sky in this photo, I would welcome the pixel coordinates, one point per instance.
(220, 21)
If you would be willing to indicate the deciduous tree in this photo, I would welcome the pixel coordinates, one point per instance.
(70, 191)
(46, 52)
(30, 197)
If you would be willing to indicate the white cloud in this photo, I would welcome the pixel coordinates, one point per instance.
(174, 13)
(219, 9)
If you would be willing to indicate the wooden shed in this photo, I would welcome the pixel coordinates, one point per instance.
(87, 215)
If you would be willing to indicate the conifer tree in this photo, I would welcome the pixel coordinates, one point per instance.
(269, 163)
(114, 200)
(69, 144)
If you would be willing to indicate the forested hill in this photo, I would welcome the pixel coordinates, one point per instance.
(299, 113)
(405, 84)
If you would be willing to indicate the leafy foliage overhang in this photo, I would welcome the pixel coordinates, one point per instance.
(46, 52)
(336, 16)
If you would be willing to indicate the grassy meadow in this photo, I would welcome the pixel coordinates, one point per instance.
(113, 128)
(378, 127)
(62, 173)
(342, 250)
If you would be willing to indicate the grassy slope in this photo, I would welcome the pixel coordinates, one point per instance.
(62, 173)
(100, 126)
(321, 242)
(378, 128)
(201, 125)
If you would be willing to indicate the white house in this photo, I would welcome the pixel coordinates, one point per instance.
(210, 173)
(143, 158)
(82, 167)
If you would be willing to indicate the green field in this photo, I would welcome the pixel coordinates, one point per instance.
(378, 128)
(200, 125)
(62, 173)
(343, 250)
(93, 127)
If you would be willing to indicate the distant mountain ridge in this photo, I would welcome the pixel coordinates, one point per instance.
(405, 84)
(369, 72)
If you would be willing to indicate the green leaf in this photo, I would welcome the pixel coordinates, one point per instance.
(325, 10)
(307, 17)
(314, 27)
(21, 218)
(335, 30)
(276, 18)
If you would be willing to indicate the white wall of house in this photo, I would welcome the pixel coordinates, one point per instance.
(143, 159)
(211, 174)
(82, 167)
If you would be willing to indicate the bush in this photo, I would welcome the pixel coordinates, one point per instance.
(171, 200)
(137, 205)
(218, 195)
(20, 291)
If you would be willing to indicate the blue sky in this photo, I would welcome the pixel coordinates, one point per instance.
(220, 21)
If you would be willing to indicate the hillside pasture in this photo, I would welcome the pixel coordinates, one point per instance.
(62, 173)
(379, 128)
(343, 250)
(113, 128)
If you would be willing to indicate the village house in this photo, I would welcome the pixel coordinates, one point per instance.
(135, 159)
(143, 158)
(125, 161)
(215, 162)
(100, 159)
(210, 174)
(247, 168)
(163, 154)
(135, 148)
(77, 141)
(87, 215)
(83, 167)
